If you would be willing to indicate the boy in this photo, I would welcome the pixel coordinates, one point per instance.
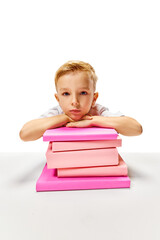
(75, 82)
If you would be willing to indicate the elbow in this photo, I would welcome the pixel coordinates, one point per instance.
(140, 129)
(134, 127)
(26, 135)
(23, 135)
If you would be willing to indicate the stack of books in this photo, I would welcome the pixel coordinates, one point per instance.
(83, 158)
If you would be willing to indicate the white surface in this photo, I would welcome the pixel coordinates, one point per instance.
(87, 214)
(119, 38)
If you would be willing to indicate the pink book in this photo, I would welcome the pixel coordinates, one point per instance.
(79, 134)
(82, 158)
(119, 170)
(48, 181)
(81, 145)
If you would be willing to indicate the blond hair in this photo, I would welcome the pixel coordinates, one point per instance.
(72, 66)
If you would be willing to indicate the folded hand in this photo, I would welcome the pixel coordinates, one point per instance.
(86, 121)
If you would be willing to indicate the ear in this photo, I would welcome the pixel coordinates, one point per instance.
(56, 96)
(94, 99)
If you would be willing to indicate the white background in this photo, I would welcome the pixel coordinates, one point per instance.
(120, 39)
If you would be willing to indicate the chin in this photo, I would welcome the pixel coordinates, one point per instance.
(76, 118)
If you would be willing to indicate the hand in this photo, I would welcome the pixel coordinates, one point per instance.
(86, 121)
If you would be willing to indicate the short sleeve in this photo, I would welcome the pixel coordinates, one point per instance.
(105, 112)
(52, 112)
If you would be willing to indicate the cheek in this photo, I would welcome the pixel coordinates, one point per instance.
(63, 103)
(88, 101)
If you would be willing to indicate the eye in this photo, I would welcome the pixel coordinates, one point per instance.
(65, 94)
(83, 93)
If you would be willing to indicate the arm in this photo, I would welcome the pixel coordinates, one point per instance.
(124, 125)
(34, 129)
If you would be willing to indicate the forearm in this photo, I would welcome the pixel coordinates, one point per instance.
(124, 125)
(34, 129)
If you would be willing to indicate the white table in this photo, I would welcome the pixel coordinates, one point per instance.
(113, 214)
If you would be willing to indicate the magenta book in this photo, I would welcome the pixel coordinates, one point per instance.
(79, 134)
(48, 181)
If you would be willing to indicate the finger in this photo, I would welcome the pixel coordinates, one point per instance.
(70, 119)
(70, 125)
(87, 117)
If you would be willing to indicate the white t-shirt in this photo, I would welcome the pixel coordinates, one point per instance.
(97, 110)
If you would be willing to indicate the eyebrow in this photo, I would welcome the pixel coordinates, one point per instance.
(66, 89)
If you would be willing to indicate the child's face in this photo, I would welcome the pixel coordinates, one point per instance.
(75, 94)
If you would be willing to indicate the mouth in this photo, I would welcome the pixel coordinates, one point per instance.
(75, 111)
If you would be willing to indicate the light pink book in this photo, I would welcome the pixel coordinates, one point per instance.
(79, 134)
(119, 170)
(81, 145)
(48, 181)
(81, 158)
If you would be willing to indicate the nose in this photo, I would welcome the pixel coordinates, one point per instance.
(75, 101)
